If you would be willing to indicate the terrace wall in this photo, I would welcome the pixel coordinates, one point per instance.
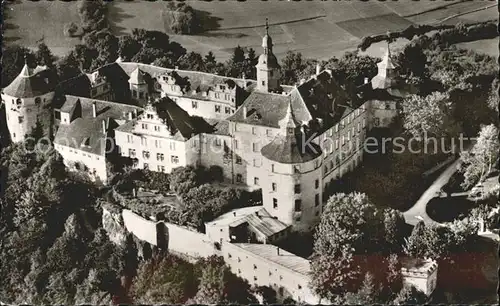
(175, 238)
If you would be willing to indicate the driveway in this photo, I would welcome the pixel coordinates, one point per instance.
(418, 212)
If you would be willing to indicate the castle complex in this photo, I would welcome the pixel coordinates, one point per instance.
(293, 142)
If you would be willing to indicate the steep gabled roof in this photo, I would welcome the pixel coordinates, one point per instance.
(88, 128)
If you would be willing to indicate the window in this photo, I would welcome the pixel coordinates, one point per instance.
(157, 128)
(275, 203)
(263, 83)
(336, 128)
(239, 271)
(172, 146)
(217, 108)
(254, 130)
(238, 160)
(217, 95)
(274, 186)
(299, 287)
(316, 200)
(336, 144)
(270, 274)
(227, 110)
(255, 147)
(343, 140)
(256, 181)
(256, 163)
(269, 132)
(238, 178)
(161, 168)
(229, 255)
(359, 127)
(144, 126)
(20, 119)
(298, 205)
(160, 157)
(145, 154)
(325, 169)
(94, 91)
(217, 142)
(376, 122)
(239, 259)
(146, 166)
(194, 104)
(150, 116)
(387, 106)
(255, 278)
(158, 143)
(144, 141)
(316, 164)
(130, 139)
(236, 144)
(272, 168)
(174, 159)
(296, 188)
(316, 184)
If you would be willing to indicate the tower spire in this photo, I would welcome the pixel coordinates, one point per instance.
(267, 26)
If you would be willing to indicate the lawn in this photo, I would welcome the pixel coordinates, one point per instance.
(320, 29)
(486, 46)
(27, 23)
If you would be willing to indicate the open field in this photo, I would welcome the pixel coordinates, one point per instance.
(27, 23)
(486, 46)
(318, 30)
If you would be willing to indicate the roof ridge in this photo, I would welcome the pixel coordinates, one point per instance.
(104, 101)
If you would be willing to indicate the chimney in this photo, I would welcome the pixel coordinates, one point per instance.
(318, 69)
(135, 113)
(104, 126)
(257, 213)
(366, 80)
(244, 112)
(176, 68)
(94, 110)
(244, 77)
(234, 214)
(129, 115)
(278, 251)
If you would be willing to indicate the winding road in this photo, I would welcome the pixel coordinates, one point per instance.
(418, 212)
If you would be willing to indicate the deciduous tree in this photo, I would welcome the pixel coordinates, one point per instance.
(479, 161)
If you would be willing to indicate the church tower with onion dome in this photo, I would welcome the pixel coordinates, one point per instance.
(268, 69)
(27, 101)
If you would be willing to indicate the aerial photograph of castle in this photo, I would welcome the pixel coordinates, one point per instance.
(249, 152)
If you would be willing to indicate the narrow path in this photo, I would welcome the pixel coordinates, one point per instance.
(465, 13)
(444, 6)
(270, 24)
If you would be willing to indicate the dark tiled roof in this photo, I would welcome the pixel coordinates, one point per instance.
(199, 81)
(314, 99)
(221, 127)
(179, 122)
(268, 108)
(30, 83)
(256, 218)
(88, 127)
(291, 149)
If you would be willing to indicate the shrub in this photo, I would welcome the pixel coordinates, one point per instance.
(71, 30)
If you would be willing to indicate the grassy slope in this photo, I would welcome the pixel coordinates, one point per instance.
(317, 38)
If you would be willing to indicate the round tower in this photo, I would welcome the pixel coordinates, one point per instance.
(27, 101)
(292, 191)
(268, 69)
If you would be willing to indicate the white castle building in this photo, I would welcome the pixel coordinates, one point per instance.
(293, 142)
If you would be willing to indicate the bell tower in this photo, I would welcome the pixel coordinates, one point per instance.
(268, 69)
